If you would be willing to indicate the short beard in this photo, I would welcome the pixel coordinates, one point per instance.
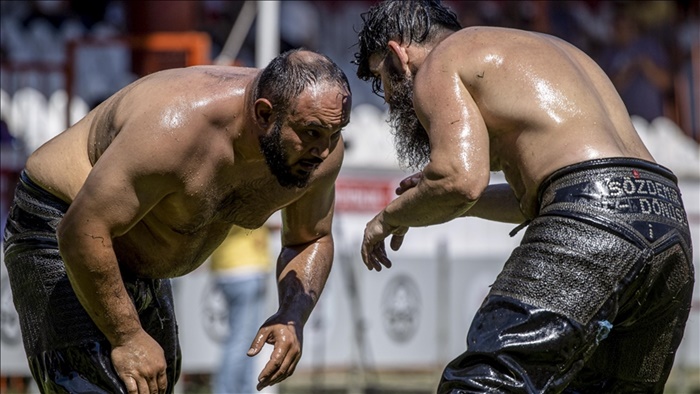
(276, 159)
(410, 137)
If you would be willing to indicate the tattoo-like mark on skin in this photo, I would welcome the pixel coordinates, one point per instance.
(95, 237)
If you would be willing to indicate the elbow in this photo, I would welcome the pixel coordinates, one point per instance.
(470, 194)
(460, 188)
(464, 194)
(471, 184)
(469, 187)
(70, 243)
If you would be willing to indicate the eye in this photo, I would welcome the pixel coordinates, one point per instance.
(312, 133)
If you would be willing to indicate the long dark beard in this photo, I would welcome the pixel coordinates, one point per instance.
(276, 159)
(410, 137)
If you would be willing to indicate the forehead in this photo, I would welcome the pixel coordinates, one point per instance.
(328, 103)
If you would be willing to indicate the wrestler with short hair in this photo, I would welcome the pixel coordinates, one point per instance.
(144, 188)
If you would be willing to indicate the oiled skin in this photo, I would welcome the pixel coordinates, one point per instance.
(497, 99)
(156, 176)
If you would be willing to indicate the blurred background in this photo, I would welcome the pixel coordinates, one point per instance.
(388, 332)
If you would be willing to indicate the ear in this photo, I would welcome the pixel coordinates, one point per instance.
(399, 56)
(263, 112)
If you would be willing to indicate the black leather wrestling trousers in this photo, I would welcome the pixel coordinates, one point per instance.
(595, 298)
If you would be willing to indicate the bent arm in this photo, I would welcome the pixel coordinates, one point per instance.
(101, 211)
(458, 170)
(303, 267)
(306, 257)
(497, 203)
(116, 195)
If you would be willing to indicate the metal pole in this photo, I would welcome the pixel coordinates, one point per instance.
(238, 33)
(267, 30)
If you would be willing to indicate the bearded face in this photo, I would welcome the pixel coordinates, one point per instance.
(410, 137)
(278, 161)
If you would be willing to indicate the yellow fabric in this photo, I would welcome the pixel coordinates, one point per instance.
(243, 248)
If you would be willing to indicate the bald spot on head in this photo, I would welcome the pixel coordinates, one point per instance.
(292, 72)
(304, 56)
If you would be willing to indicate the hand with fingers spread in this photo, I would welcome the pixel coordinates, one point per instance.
(140, 364)
(373, 250)
(286, 337)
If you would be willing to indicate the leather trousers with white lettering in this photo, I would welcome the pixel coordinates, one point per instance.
(595, 298)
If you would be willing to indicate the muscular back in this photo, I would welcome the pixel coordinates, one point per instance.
(543, 103)
(155, 107)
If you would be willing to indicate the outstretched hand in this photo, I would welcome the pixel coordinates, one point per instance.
(140, 364)
(286, 337)
(373, 249)
(376, 231)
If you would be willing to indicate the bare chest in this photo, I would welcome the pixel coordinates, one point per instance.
(178, 234)
(246, 204)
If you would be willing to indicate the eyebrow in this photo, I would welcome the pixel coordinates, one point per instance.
(318, 125)
(322, 126)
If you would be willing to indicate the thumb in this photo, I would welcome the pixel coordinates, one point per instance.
(257, 344)
(396, 242)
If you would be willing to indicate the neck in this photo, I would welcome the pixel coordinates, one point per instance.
(418, 53)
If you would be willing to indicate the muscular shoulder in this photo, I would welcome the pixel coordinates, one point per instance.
(174, 111)
(473, 51)
(511, 73)
(172, 96)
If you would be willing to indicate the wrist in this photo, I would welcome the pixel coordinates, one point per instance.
(124, 335)
(384, 220)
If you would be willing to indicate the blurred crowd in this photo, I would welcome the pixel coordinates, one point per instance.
(646, 48)
(650, 49)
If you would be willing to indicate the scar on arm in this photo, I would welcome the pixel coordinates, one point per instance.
(102, 240)
(480, 75)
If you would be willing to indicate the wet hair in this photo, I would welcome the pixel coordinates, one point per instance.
(406, 21)
(290, 73)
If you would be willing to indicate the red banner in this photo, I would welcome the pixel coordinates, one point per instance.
(363, 195)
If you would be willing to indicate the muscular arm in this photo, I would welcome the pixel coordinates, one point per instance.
(303, 267)
(85, 241)
(458, 170)
(116, 195)
(497, 203)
